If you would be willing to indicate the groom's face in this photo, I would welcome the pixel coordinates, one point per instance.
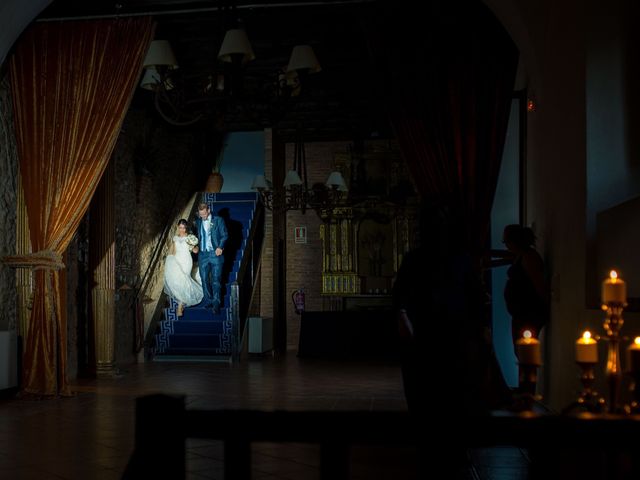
(204, 213)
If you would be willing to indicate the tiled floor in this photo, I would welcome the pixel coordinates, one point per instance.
(91, 435)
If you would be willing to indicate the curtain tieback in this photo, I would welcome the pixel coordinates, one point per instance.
(47, 260)
(40, 260)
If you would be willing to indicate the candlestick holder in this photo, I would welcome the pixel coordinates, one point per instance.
(527, 378)
(527, 381)
(588, 400)
(633, 408)
(612, 324)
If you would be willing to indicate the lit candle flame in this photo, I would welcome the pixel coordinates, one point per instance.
(636, 340)
(527, 334)
(613, 274)
(587, 335)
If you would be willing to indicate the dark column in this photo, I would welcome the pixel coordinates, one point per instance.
(279, 245)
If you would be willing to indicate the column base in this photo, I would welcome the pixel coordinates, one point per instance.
(107, 371)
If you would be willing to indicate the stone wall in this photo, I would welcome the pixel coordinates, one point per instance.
(78, 325)
(8, 185)
(158, 170)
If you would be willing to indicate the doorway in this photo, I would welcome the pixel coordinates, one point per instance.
(508, 207)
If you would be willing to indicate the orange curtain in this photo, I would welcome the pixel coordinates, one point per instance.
(72, 83)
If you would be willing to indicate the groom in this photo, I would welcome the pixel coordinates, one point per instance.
(212, 233)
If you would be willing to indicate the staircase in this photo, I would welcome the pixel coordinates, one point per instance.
(198, 333)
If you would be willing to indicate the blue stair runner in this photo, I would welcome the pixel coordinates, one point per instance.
(198, 332)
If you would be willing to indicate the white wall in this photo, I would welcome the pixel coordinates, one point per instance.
(242, 160)
(15, 15)
(613, 152)
(576, 68)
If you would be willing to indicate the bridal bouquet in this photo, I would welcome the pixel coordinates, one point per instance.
(192, 241)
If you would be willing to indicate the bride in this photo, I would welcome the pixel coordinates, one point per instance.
(178, 282)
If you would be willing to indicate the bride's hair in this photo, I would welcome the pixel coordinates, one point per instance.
(182, 221)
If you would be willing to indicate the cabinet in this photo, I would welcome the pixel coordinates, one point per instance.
(260, 334)
(363, 246)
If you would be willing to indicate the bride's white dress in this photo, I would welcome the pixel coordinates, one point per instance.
(178, 281)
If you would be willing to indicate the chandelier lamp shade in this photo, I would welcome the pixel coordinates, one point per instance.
(236, 45)
(303, 58)
(295, 192)
(160, 54)
(336, 182)
(183, 98)
(152, 78)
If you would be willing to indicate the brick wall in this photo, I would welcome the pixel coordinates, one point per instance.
(157, 172)
(266, 267)
(303, 261)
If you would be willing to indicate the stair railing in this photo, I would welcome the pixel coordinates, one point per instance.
(144, 284)
(242, 289)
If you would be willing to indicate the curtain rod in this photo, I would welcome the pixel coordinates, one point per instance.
(207, 9)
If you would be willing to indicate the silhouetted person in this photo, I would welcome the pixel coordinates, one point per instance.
(526, 293)
(440, 303)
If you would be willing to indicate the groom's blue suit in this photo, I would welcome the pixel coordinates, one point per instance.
(212, 234)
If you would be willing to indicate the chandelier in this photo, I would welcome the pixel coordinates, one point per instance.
(183, 99)
(296, 194)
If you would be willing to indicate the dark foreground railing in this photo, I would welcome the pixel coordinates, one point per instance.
(607, 446)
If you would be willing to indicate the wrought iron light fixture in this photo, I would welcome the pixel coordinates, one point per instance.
(295, 190)
(184, 102)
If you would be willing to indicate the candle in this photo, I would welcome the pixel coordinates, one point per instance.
(633, 355)
(528, 349)
(586, 349)
(614, 290)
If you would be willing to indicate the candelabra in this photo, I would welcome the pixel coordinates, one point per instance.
(612, 324)
(527, 378)
(633, 362)
(529, 359)
(589, 400)
(526, 396)
(634, 406)
(614, 295)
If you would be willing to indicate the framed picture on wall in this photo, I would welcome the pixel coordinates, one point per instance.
(300, 234)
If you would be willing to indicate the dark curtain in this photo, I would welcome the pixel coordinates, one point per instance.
(448, 77)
